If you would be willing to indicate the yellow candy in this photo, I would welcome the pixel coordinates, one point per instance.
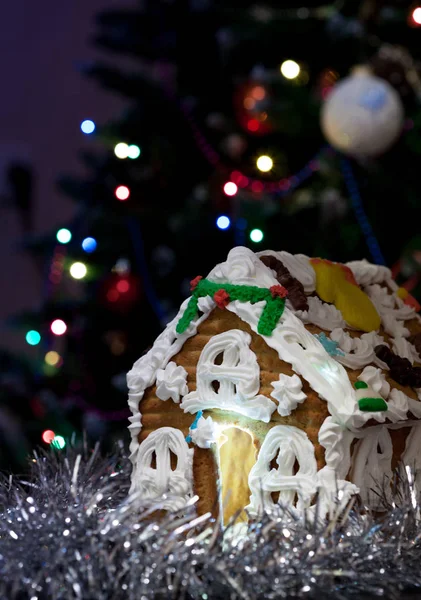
(335, 283)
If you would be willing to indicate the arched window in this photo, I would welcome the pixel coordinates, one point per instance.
(372, 467)
(228, 377)
(154, 475)
(294, 480)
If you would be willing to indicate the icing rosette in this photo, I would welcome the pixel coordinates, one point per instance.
(288, 392)
(205, 433)
(171, 382)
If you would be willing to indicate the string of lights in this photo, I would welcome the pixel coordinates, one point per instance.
(264, 163)
(279, 188)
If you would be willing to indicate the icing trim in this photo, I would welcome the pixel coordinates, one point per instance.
(228, 292)
(143, 373)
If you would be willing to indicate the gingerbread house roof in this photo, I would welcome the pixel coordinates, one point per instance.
(363, 296)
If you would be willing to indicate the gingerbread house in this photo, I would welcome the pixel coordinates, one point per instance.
(282, 378)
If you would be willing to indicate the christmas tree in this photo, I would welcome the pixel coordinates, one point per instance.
(283, 128)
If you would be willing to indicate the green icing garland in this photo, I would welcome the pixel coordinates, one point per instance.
(244, 293)
(372, 404)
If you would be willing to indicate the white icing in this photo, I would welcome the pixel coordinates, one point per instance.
(288, 444)
(394, 327)
(143, 373)
(306, 354)
(151, 483)
(405, 349)
(357, 352)
(334, 490)
(336, 440)
(334, 493)
(171, 382)
(371, 466)
(397, 404)
(298, 265)
(391, 310)
(405, 311)
(374, 339)
(366, 273)
(326, 316)
(243, 267)
(411, 457)
(345, 341)
(288, 392)
(376, 380)
(205, 433)
(238, 378)
(414, 406)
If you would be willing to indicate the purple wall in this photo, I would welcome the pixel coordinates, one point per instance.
(43, 100)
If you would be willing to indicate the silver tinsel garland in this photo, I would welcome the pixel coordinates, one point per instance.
(70, 532)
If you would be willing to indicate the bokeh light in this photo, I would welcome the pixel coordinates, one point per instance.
(230, 188)
(121, 150)
(52, 358)
(416, 15)
(63, 236)
(264, 163)
(58, 442)
(256, 235)
(290, 69)
(133, 151)
(223, 222)
(48, 435)
(258, 92)
(78, 270)
(113, 295)
(89, 244)
(87, 126)
(33, 337)
(253, 125)
(123, 286)
(122, 192)
(58, 327)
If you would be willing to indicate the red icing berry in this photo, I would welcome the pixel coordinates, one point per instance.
(221, 298)
(278, 290)
(194, 282)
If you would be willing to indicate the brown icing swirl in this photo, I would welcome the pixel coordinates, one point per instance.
(401, 369)
(295, 288)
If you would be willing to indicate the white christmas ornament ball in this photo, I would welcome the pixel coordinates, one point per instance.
(362, 116)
